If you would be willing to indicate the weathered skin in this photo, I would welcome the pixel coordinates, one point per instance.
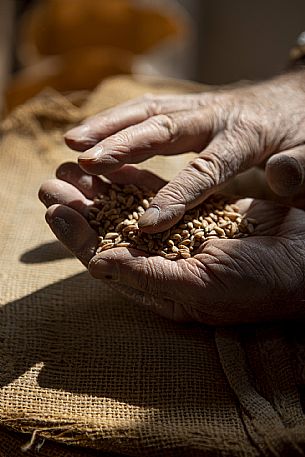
(229, 281)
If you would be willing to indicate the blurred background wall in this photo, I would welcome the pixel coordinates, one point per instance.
(211, 41)
(244, 39)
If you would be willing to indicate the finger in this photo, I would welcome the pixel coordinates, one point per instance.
(130, 113)
(272, 219)
(55, 191)
(91, 186)
(221, 160)
(73, 231)
(151, 275)
(164, 134)
(285, 171)
(88, 185)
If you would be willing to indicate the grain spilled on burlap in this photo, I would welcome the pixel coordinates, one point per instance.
(82, 365)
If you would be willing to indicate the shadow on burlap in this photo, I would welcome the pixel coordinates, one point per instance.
(82, 365)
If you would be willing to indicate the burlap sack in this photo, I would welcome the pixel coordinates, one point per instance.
(82, 365)
(13, 444)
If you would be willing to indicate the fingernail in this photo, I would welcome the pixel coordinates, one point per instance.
(105, 270)
(81, 132)
(150, 217)
(90, 154)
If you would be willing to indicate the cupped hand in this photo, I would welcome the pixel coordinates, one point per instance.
(231, 130)
(228, 281)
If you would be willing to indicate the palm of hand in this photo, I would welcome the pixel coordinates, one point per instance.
(227, 281)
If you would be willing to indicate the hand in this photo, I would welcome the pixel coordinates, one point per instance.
(231, 130)
(226, 282)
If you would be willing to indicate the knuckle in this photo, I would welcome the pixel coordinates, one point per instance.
(120, 143)
(253, 127)
(248, 123)
(176, 192)
(207, 169)
(248, 138)
(152, 108)
(151, 105)
(167, 124)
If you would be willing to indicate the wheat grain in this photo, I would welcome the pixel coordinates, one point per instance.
(115, 216)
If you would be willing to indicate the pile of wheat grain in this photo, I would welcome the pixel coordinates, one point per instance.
(115, 216)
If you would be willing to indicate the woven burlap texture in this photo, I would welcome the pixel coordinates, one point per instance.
(14, 444)
(80, 364)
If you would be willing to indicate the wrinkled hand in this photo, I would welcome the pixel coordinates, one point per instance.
(226, 282)
(231, 130)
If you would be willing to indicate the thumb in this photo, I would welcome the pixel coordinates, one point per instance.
(221, 160)
(285, 172)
